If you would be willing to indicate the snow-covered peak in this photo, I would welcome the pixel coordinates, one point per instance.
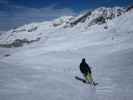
(98, 16)
(43, 30)
(62, 20)
(111, 12)
(88, 17)
(108, 12)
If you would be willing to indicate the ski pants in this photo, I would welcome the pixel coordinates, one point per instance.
(88, 77)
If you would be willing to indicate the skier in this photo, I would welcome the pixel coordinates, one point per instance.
(86, 71)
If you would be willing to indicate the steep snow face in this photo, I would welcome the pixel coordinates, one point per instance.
(98, 16)
(123, 24)
(108, 12)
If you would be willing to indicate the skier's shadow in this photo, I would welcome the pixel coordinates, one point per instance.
(90, 92)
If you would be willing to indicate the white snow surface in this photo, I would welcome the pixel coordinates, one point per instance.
(45, 70)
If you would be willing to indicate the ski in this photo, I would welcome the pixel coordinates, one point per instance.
(84, 81)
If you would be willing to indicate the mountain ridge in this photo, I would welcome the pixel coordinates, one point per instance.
(35, 31)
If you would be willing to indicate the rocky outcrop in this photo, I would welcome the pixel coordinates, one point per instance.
(18, 43)
(129, 8)
(81, 19)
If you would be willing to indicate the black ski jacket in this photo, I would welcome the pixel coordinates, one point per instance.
(84, 68)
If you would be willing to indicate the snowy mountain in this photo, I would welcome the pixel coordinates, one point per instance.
(35, 31)
(98, 16)
(45, 68)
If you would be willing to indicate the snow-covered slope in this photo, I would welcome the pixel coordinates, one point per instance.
(98, 16)
(34, 31)
(46, 69)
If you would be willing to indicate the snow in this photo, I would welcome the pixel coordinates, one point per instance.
(46, 69)
(43, 29)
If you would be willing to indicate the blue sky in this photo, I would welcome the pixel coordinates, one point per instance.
(14, 13)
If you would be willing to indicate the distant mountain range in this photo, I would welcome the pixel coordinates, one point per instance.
(34, 32)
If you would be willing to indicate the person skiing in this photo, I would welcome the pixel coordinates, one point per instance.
(86, 71)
